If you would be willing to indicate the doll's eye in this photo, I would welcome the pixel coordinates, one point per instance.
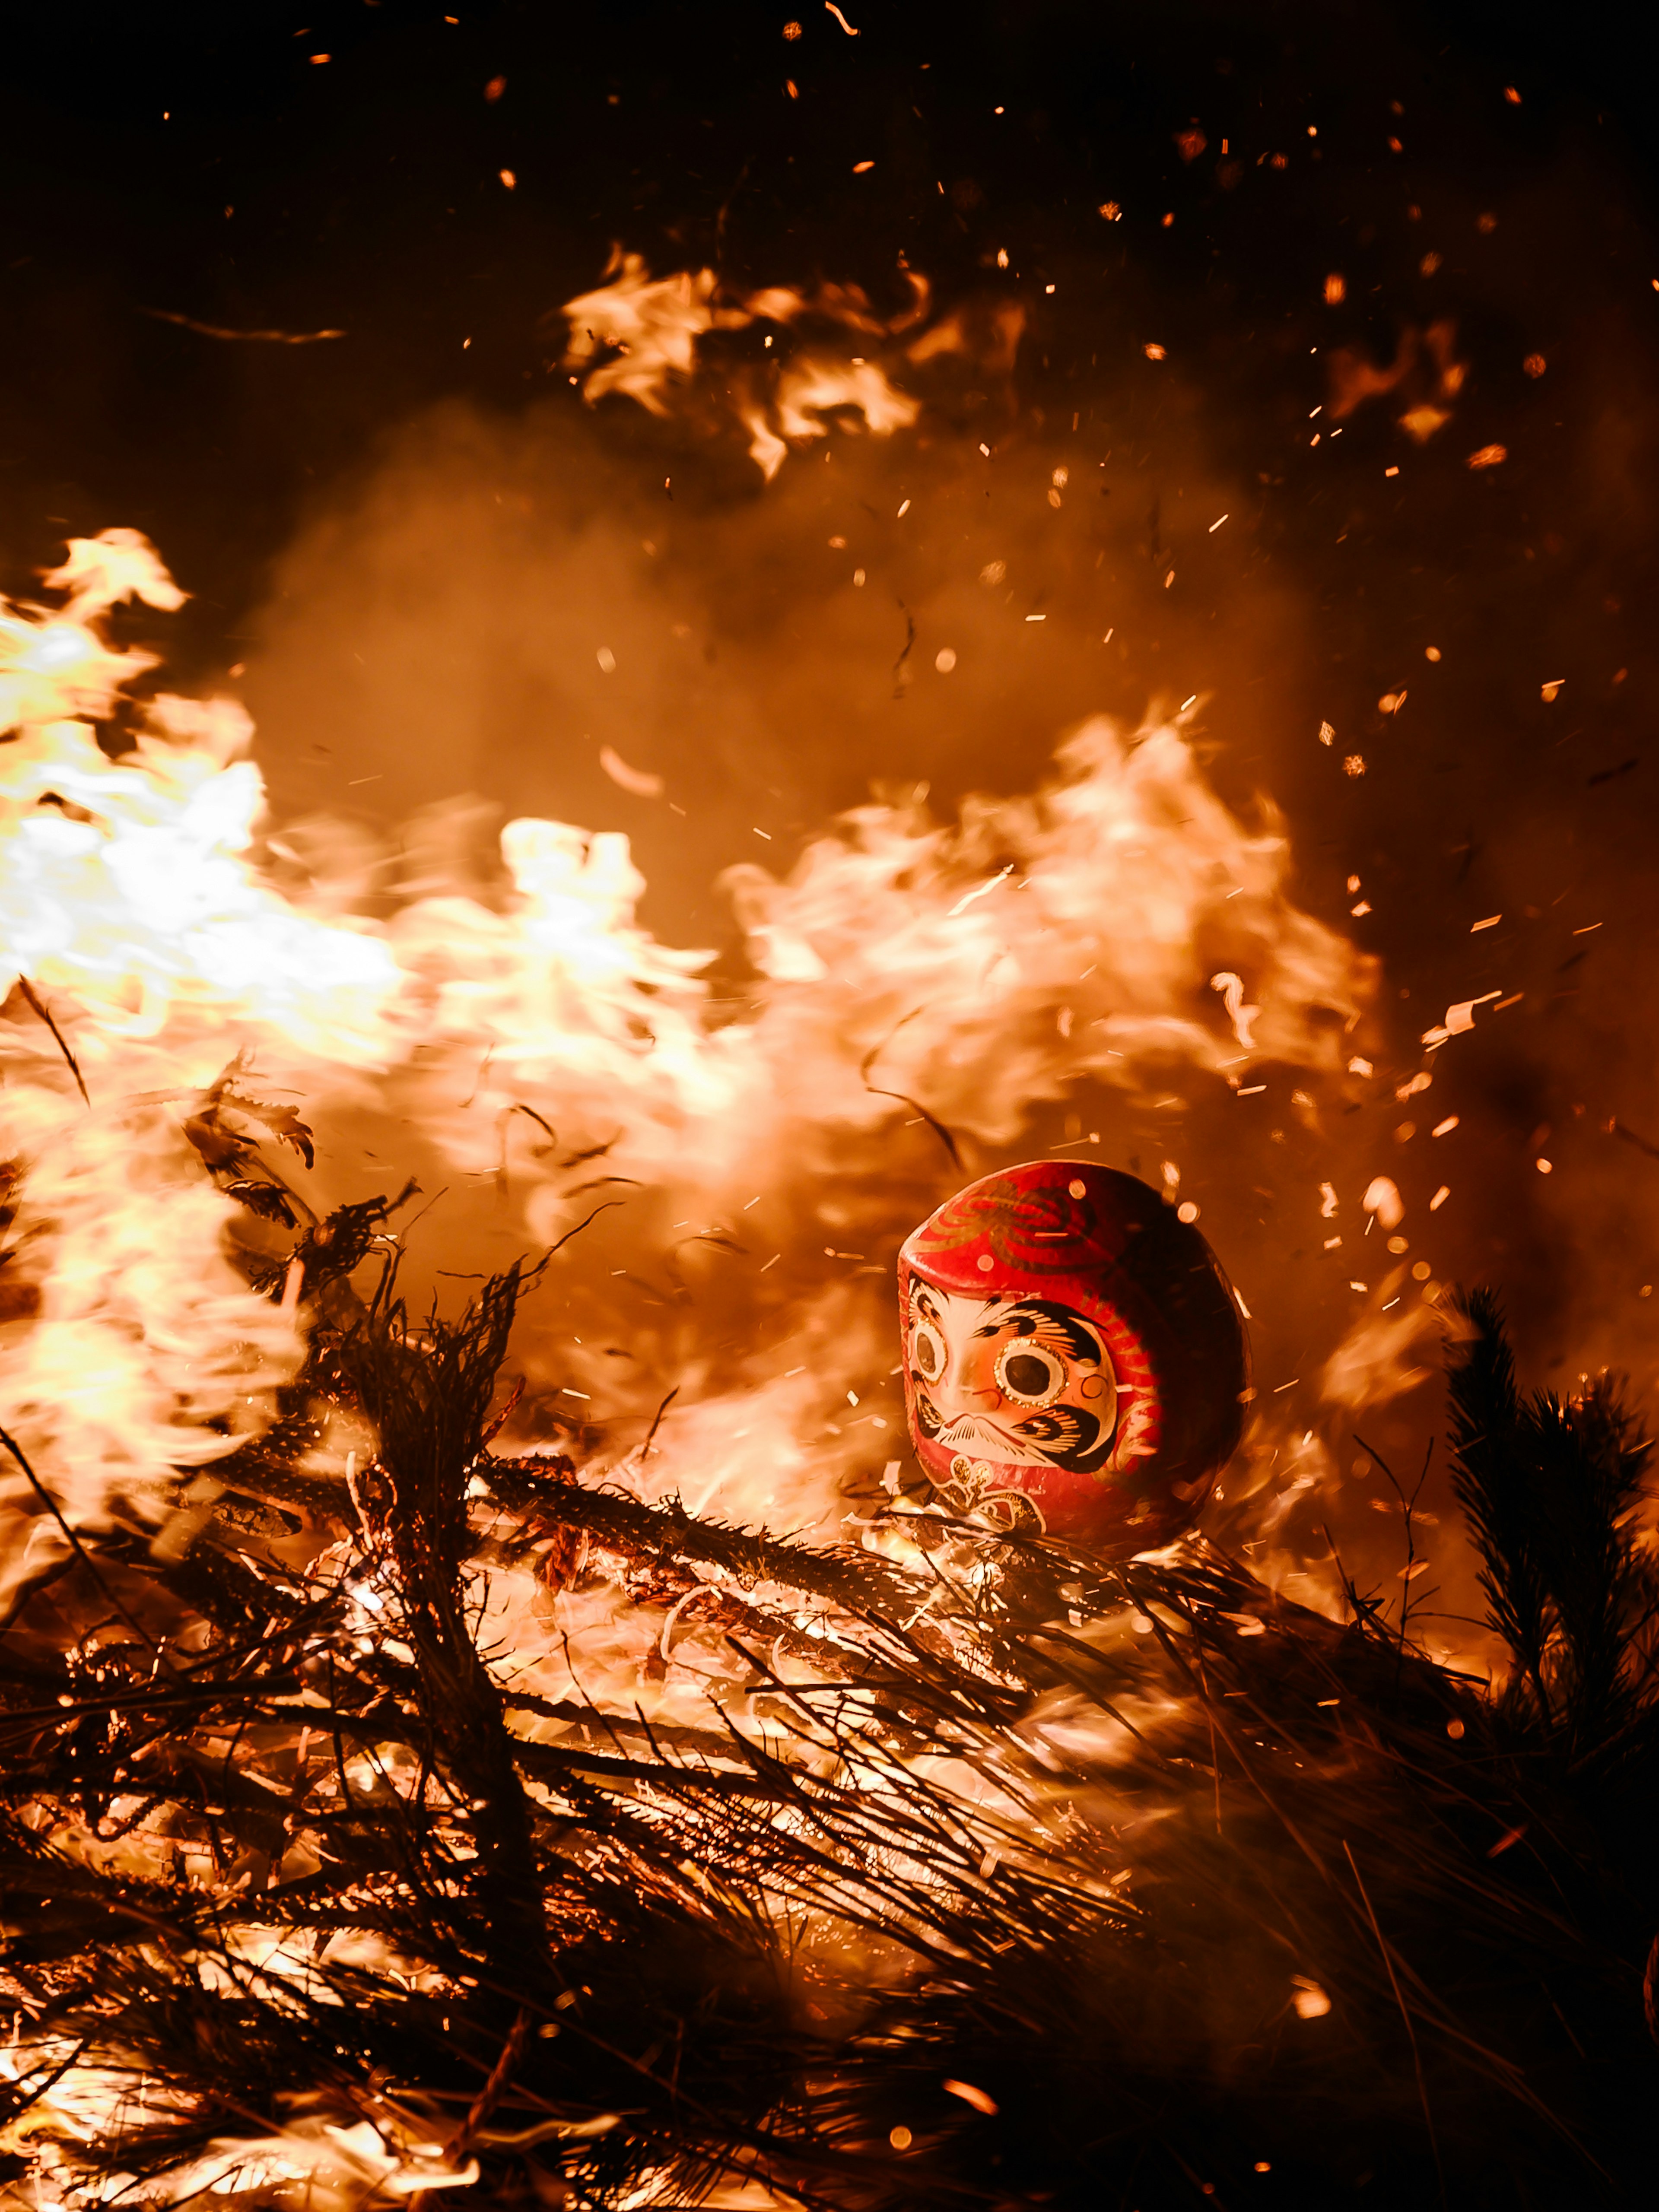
(1029, 1375)
(928, 1352)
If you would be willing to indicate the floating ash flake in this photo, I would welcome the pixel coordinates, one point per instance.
(1487, 456)
(1490, 922)
(1354, 764)
(640, 782)
(1460, 1019)
(1440, 1198)
(969, 2095)
(1552, 691)
(1153, 352)
(257, 337)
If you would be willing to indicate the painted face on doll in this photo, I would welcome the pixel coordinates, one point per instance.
(1026, 1381)
(1073, 1359)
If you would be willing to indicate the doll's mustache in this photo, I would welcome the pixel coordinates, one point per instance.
(1064, 1437)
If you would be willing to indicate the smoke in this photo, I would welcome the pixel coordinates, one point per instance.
(501, 605)
(980, 759)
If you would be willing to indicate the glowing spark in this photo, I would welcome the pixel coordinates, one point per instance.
(969, 2095)
(832, 10)
(980, 890)
(639, 780)
(258, 337)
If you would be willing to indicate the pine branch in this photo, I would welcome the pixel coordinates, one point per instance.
(1494, 1478)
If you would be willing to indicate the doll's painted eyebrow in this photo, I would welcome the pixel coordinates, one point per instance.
(1079, 1339)
(1002, 1313)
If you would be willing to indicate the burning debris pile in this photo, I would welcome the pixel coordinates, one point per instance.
(990, 1873)
(408, 1790)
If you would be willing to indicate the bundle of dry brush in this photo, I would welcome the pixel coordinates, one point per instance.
(1004, 1904)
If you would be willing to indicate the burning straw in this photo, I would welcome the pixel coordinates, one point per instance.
(994, 1874)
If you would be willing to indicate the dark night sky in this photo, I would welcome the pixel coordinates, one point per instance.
(363, 193)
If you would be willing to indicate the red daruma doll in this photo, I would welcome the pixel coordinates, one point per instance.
(1073, 1356)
